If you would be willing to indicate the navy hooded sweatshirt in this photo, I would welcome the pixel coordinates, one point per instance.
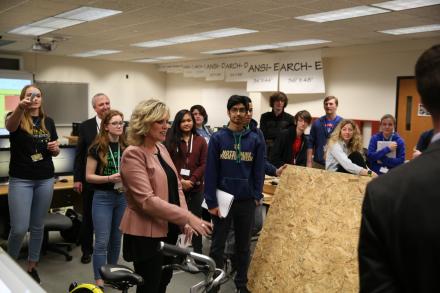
(235, 165)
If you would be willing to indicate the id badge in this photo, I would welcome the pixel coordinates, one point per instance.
(36, 157)
(384, 170)
(184, 172)
(119, 187)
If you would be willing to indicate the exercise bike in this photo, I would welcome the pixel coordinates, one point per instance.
(195, 263)
(117, 276)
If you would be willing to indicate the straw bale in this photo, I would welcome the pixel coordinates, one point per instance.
(309, 240)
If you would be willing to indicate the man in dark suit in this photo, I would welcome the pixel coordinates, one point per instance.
(87, 133)
(399, 244)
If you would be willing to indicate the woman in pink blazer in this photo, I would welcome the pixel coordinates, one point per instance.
(156, 208)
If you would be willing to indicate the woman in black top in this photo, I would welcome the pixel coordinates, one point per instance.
(33, 139)
(102, 171)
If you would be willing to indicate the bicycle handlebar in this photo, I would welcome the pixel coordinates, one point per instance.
(173, 249)
(185, 252)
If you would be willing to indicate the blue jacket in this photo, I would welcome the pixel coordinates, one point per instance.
(242, 177)
(379, 159)
(269, 169)
(318, 138)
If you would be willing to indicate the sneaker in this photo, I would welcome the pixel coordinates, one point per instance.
(86, 258)
(34, 274)
(242, 290)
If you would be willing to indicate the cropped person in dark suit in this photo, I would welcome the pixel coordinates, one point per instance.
(87, 133)
(271, 123)
(399, 245)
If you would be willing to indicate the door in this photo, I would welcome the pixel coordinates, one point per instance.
(411, 119)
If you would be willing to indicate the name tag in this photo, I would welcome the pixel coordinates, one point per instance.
(184, 172)
(36, 157)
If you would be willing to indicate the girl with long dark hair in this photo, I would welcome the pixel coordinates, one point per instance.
(188, 151)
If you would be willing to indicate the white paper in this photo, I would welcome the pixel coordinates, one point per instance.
(224, 201)
(181, 241)
(381, 144)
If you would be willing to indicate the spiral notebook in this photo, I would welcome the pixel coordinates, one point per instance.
(224, 200)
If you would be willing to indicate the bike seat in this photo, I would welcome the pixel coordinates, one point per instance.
(119, 275)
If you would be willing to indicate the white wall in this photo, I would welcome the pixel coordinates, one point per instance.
(363, 77)
(182, 93)
(144, 80)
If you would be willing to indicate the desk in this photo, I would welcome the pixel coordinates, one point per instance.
(57, 186)
(63, 195)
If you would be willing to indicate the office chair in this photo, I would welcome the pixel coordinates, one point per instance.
(56, 222)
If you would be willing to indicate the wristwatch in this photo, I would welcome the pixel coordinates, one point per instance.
(370, 173)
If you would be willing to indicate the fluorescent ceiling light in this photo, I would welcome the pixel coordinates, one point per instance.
(412, 30)
(227, 32)
(397, 5)
(56, 23)
(342, 14)
(168, 57)
(186, 39)
(63, 20)
(259, 47)
(152, 44)
(145, 60)
(88, 13)
(269, 46)
(95, 53)
(221, 51)
(31, 30)
(195, 37)
(302, 43)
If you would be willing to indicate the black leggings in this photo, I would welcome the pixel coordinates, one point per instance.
(355, 158)
(156, 280)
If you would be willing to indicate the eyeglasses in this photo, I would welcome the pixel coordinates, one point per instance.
(32, 94)
(250, 111)
(238, 110)
(117, 123)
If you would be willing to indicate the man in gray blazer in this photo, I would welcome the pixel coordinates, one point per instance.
(399, 244)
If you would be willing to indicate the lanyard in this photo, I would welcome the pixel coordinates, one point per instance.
(389, 139)
(113, 158)
(188, 149)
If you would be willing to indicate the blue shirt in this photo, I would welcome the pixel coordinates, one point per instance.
(319, 133)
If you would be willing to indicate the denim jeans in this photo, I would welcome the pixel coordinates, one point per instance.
(107, 210)
(29, 201)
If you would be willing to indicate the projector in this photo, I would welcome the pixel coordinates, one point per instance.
(43, 47)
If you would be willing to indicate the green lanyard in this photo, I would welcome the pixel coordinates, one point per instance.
(238, 146)
(113, 158)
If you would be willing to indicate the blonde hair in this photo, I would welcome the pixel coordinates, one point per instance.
(26, 122)
(144, 114)
(355, 143)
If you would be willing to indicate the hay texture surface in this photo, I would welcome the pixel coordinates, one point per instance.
(310, 236)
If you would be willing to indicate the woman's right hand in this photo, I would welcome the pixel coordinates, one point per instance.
(200, 226)
(24, 104)
(115, 178)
